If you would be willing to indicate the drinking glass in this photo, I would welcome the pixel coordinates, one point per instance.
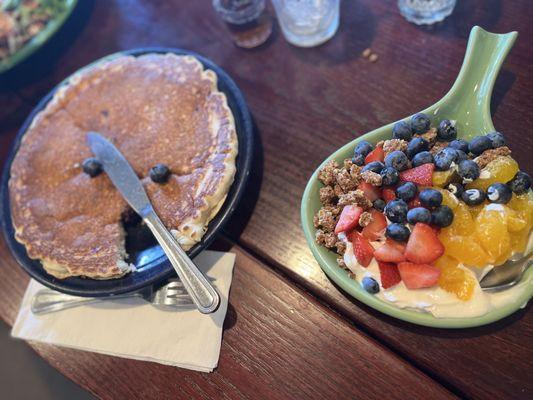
(247, 21)
(307, 23)
(426, 12)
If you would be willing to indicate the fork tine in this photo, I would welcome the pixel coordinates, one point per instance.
(176, 302)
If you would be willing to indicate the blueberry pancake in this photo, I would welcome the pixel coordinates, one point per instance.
(165, 114)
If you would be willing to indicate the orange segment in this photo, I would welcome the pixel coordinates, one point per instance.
(442, 178)
(502, 169)
(454, 279)
(491, 232)
(465, 249)
(448, 199)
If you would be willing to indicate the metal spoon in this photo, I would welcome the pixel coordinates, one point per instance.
(508, 274)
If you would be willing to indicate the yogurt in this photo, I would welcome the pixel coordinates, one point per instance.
(435, 300)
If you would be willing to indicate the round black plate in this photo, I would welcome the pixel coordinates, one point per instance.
(152, 265)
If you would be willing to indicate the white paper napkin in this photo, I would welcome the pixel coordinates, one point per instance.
(133, 328)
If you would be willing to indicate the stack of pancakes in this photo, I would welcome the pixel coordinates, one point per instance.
(157, 109)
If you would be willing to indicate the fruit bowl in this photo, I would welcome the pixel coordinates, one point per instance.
(468, 102)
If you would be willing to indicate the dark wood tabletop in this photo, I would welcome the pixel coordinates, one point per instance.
(290, 332)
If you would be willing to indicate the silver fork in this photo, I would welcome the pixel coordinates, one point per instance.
(172, 294)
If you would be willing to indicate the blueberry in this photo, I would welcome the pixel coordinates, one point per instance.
(424, 157)
(520, 183)
(160, 173)
(389, 176)
(459, 144)
(497, 139)
(447, 130)
(473, 197)
(370, 285)
(402, 130)
(363, 148)
(417, 145)
(418, 214)
(374, 166)
(379, 204)
(442, 216)
(499, 193)
(461, 155)
(420, 123)
(479, 144)
(468, 169)
(396, 211)
(358, 159)
(92, 167)
(444, 159)
(397, 232)
(398, 160)
(406, 191)
(430, 198)
(456, 189)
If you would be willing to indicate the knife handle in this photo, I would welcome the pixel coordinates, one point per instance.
(203, 294)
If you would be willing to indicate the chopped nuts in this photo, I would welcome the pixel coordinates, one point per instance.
(369, 55)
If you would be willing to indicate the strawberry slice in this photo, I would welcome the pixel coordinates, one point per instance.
(421, 175)
(362, 249)
(424, 245)
(374, 230)
(390, 275)
(349, 218)
(371, 192)
(375, 155)
(388, 194)
(416, 276)
(391, 251)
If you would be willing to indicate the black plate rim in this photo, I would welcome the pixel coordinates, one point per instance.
(90, 287)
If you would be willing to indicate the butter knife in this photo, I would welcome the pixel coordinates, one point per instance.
(202, 293)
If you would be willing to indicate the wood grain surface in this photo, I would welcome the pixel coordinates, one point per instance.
(308, 102)
(278, 343)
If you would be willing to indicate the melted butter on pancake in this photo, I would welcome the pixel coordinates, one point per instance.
(155, 109)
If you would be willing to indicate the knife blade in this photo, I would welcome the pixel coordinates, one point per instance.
(119, 170)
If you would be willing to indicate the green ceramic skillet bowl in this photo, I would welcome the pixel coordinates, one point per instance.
(468, 102)
(38, 40)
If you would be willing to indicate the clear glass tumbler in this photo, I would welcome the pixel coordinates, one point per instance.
(426, 12)
(307, 23)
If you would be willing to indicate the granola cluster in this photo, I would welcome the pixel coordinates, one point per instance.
(394, 144)
(339, 190)
(430, 136)
(490, 155)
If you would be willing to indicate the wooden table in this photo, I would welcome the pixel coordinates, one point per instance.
(290, 333)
